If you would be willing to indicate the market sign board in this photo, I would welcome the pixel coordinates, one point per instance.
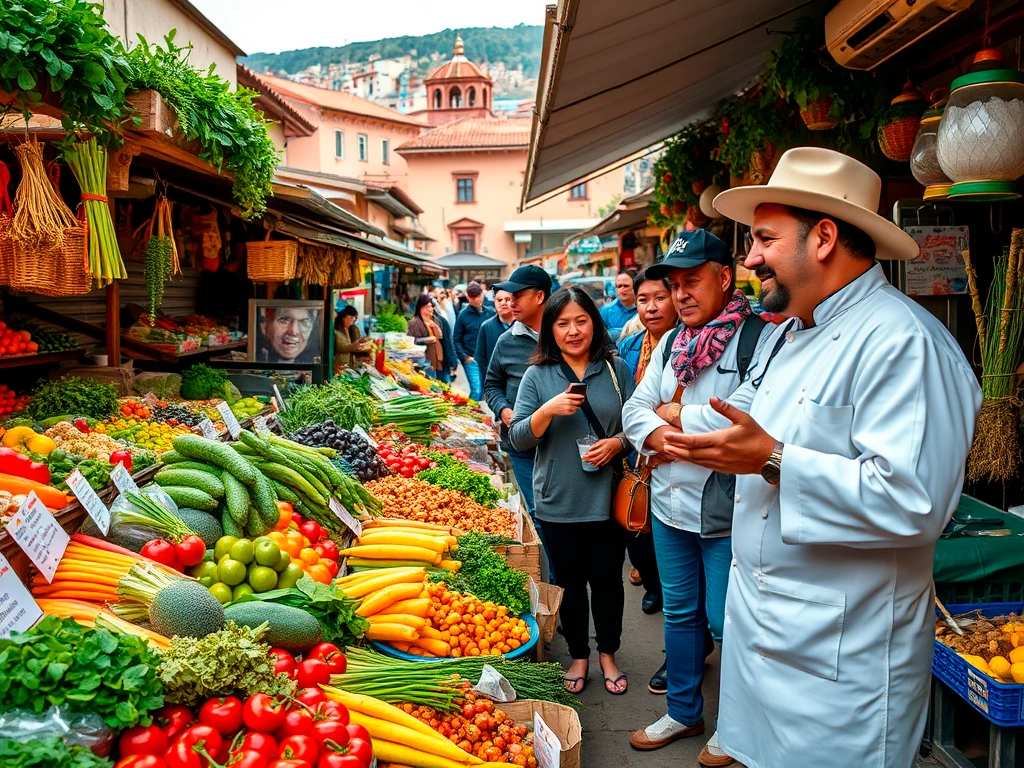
(939, 270)
(38, 533)
(18, 611)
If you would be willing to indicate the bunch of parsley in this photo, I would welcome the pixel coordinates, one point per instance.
(48, 753)
(62, 663)
(486, 575)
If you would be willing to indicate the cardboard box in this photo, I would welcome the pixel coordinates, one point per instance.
(559, 718)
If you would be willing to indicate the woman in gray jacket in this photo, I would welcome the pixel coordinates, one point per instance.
(585, 545)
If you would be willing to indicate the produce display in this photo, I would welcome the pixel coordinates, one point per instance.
(354, 451)
(406, 460)
(411, 499)
(13, 342)
(454, 475)
(486, 574)
(11, 402)
(413, 415)
(995, 646)
(346, 401)
(47, 341)
(73, 395)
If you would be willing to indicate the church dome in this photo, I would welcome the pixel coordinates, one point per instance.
(459, 68)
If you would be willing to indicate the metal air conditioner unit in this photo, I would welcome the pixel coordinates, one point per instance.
(861, 34)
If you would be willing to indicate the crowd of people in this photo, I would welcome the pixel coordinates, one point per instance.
(800, 463)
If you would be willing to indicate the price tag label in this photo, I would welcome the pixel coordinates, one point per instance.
(88, 498)
(209, 431)
(18, 611)
(365, 435)
(546, 746)
(123, 480)
(40, 535)
(278, 397)
(260, 425)
(234, 428)
(343, 514)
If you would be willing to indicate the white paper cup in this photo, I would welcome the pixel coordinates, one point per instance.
(584, 444)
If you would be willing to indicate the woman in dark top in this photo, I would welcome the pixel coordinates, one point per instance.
(427, 330)
(585, 545)
(347, 336)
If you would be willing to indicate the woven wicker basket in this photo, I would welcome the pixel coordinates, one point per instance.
(271, 261)
(6, 250)
(816, 115)
(55, 270)
(896, 139)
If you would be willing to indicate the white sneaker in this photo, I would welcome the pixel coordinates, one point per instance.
(713, 748)
(664, 728)
(663, 732)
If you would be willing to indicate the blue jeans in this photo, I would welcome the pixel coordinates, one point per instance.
(441, 375)
(694, 578)
(476, 389)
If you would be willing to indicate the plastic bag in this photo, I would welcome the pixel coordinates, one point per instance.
(77, 729)
(494, 686)
(166, 386)
(131, 535)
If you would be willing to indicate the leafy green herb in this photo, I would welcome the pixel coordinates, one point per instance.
(70, 394)
(458, 477)
(232, 133)
(342, 400)
(329, 605)
(48, 753)
(61, 663)
(201, 382)
(486, 575)
(388, 319)
(224, 663)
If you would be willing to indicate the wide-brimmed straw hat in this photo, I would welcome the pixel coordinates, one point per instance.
(827, 182)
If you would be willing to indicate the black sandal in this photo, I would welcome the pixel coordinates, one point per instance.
(573, 681)
(616, 682)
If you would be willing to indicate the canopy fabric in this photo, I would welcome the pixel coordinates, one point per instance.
(469, 261)
(617, 78)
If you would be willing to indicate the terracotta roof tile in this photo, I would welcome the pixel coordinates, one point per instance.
(475, 133)
(458, 67)
(337, 100)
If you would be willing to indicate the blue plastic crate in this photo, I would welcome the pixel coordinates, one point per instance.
(1001, 703)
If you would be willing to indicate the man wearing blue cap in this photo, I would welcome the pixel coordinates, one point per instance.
(707, 356)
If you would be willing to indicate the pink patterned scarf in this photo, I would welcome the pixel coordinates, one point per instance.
(698, 348)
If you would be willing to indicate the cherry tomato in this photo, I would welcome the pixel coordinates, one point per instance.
(263, 743)
(311, 530)
(330, 655)
(330, 565)
(180, 755)
(338, 760)
(149, 740)
(142, 761)
(284, 662)
(330, 549)
(173, 719)
(332, 710)
(313, 672)
(297, 519)
(360, 747)
(161, 551)
(190, 550)
(225, 715)
(299, 748)
(297, 722)
(263, 714)
(290, 764)
(330, 730)
(247, 758)
(201, 736)
(357, 732)
(311, 697)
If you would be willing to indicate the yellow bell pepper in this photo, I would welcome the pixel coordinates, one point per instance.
(15, 437)
(40, 444)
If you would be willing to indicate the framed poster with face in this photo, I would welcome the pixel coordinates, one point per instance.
(288, 332)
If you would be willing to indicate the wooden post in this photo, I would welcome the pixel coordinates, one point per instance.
(114, 324)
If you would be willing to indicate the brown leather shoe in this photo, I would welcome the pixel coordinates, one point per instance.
(639, 739)
(708, 760)
(634, 578)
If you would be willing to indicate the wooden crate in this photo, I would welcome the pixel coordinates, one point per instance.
(524, 556)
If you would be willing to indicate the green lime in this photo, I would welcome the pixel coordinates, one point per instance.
(231, 572)
(283, 562)
(262, 579)
(241, 589)
(289, 576)
(207, 581)
(223, 546)
(267, 553)
(242, 551)
(204, 569)
(221, 591)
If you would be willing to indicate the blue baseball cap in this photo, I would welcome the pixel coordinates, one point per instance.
(691, 249)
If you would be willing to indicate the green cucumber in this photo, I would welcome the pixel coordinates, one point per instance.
(191, 497)
(191, 478)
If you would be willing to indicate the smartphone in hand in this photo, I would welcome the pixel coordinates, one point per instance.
(578, 389)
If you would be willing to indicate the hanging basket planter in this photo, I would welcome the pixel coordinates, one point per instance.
(698, 187)
(271, 261)
(695, 216)
(761, 163)
(817, 114)
(898, 124)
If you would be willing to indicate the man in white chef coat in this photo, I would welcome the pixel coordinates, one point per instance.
(848, 439)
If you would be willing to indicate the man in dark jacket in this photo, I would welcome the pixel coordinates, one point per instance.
(467, 330)
(492, 328)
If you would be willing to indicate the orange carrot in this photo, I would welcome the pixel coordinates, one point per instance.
(50, 496)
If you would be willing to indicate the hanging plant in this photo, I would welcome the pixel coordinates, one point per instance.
(895, 126)
(161, 253)
(683, 171)
(801, 71)
(753, 128)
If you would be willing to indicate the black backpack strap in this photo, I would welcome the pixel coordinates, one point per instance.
(667, 349)
(588, 411)
(750, 332)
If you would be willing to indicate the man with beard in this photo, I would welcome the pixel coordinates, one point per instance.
(848, 440)
(286, 336)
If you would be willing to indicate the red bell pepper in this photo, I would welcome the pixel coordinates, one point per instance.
(122, 457)
(13, 462)
(82, 426)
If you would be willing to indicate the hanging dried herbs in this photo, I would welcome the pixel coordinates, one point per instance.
(88, 161)
(161, 253)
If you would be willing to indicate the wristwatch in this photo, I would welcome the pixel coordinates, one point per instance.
(772, 469)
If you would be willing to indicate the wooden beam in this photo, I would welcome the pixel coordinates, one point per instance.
(119, 164)
(114, 324)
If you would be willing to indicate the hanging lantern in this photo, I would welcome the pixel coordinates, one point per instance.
(898, 128)
(981, 135)
(924, 162)
(707, 198)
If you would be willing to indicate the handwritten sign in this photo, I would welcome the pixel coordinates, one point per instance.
(209, 431)
(18, 611)
(343, 514)
(546, 746)
(939, 270)
(260, 425)
(88, 498)
(123, 480)
(365, 435)
(40, 535)
(230, 420)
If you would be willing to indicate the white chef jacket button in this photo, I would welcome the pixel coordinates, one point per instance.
(764, 514)
(835, 335)
(789, 337)
(734, 562)
(737, 498)
(800, 401)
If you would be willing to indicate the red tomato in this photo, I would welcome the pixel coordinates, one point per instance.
(297, 722)
(333, 731)
(142, 761)
(143, 741)
(313, 672)
(263, 743)
(190, 550)
(330, 655)
(263, 714)
(338, 760)
(173, 719)
(311, 697)
(407, 471)
(332, 710)
(330, 565)
(297, 519)
(330, 549)
(299, 748)
(360, 747)
(284, 662)
(161, 551)
(180, 755)
(311, 530)
(247, 758)
(201, 736)
(290, 764)
(225, 715)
